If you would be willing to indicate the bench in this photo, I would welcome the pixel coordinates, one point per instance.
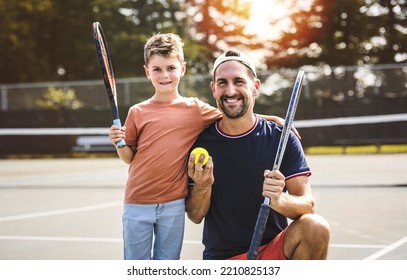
(93, 143)
(369, 141)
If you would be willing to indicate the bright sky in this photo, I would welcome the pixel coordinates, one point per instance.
(261, 13)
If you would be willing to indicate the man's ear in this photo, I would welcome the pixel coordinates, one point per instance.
(213, 88)
(257, 85)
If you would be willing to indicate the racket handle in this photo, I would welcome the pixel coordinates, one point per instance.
(121, 143)
(258, 232)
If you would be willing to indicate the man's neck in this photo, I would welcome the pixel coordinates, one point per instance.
(237, 126)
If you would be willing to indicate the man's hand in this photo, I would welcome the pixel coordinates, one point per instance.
(201, 175)
(273, 186)
(199, 197)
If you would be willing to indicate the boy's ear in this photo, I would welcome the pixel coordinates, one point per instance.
(183, 68)
(146, 71)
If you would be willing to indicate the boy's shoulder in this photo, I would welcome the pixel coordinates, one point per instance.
(184, 101)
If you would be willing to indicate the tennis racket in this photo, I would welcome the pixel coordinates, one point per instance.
(265, 207)
(107, 72)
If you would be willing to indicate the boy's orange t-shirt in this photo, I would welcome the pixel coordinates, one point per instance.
(163, 133)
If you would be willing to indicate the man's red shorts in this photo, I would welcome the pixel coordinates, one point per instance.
(271, 251)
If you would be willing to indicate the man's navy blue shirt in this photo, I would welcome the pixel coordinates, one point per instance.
(239, 164)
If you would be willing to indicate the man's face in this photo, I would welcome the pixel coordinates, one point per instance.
(234, 90)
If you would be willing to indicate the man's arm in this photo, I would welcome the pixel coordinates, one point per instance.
(199, 197)
(294, 203)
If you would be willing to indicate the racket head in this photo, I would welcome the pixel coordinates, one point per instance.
(106, 66)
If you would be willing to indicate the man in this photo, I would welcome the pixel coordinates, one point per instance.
(230, 188)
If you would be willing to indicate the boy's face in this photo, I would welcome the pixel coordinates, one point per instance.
(234, 90)
(164, 73)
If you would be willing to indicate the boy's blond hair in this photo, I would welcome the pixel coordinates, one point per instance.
(166, 45)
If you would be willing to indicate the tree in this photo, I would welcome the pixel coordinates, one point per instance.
(344, 32)
(51, 40)
(218, 25)
(44, 40)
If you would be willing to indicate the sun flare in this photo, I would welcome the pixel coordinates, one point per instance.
(262, 13)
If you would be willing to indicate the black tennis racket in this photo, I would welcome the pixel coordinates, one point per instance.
(107, 72)
(265, 207)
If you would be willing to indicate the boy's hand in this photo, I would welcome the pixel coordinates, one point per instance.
(281, 122)
(116, 134)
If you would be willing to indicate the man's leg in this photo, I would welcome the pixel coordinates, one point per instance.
(307, 238)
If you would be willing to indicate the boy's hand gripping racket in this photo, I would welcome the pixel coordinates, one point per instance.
(107, 72)
(265, 207)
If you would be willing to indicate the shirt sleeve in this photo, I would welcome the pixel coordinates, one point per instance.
(131, 128)
(294, 162)
(209, 113)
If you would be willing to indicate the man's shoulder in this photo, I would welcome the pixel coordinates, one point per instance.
(269, 125)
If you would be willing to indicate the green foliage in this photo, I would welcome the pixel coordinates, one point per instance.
(56, 99)
(346, 32)
(51, 40)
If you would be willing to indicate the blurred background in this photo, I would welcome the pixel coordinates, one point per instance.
(354, 53)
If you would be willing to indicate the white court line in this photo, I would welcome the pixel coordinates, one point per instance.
(60, 212)
(91, 239)
(75, 239)
(363, 246)
(387, 249)
(51, 238)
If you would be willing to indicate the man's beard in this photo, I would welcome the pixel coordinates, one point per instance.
(234, 113)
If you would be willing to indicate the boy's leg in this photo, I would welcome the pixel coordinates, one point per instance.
(138, 222)
(169, 230)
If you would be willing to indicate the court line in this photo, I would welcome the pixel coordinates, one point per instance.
(91, 239)
(61, 211)
(387, 249)
(75, 239)
(51, 238)
(361, 246)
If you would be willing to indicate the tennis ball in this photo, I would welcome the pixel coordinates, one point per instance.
(199, 151)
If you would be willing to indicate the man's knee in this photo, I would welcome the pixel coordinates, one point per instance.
(315, 227)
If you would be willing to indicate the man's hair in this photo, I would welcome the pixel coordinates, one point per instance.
(166, 45)
(236, 55)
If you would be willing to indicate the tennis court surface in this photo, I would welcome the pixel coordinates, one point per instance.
(71, 209)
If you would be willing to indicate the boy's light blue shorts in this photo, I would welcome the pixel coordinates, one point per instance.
(163, 221)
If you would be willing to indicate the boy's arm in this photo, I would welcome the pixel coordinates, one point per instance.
(116, 134)
(280, 122)
(126, 153)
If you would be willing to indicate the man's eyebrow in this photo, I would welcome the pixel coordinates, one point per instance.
(220, 79)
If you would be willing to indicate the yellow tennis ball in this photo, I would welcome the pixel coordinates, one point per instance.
(198, 152)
